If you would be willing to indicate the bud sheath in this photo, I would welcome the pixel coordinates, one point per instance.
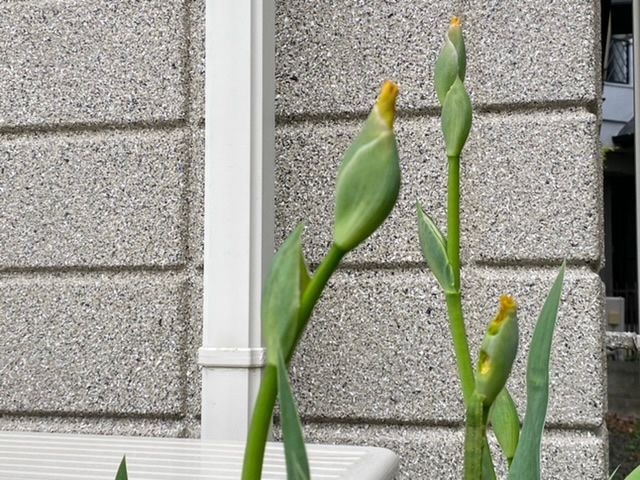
(498, 351)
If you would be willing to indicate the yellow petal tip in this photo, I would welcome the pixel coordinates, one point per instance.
(507, 302)
(387, 102)
(507, 306)
(456, 22)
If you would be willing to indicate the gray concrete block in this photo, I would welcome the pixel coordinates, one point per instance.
(92, 62)
(153, 427)
(307, 159)
(193, 377)
(106, 344)
(378, 347)
(531, 187)
(196, 199)
(95, 199)
(436, 453)
(334, 59)
(534, 51)
(196, 58)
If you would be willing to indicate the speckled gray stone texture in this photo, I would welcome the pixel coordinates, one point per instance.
(196, 56)
(436, 453)
(93, 199)
(153, 427)
(194, 341)
(196, 199)
(107, 344)
(534, 51)
(379, 348)
(92, 62)
(530, 187)
(332, 57)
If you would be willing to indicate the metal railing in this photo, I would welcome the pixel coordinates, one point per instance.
(619, 62)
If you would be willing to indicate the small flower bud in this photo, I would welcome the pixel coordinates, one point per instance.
(498, 351)
(369, 177)
(451, 62)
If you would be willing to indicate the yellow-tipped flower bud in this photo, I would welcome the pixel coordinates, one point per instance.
(498, 351)
(369, 177)
(452, 61)
(386, 103)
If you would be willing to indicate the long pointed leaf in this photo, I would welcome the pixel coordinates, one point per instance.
(294, 449)
(506, 424)
(122, 470)
(635, 475)
(488, 470)
(526, 463)
(434, 251)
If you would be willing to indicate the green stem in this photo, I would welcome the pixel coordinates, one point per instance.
(460, 345)
(453, 218)
(456, 319)
(260, 424)
(475, 442)
(313, 291)
(454, 303)
(266, 399)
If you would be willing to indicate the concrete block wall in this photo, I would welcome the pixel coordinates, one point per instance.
(376, 366)
(101, 213)
(101, 216)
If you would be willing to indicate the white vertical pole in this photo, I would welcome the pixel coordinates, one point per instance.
(239, 154)
(636, 113)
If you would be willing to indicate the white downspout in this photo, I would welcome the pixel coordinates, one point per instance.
(238, 238)
(636, 134)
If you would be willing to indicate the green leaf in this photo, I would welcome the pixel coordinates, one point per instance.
(281, 295)
(488, 470)
(635, 475)
(456, 118)
(294, 449)
(434, 251)
(122, 470)
(506, 424)
(526, 462)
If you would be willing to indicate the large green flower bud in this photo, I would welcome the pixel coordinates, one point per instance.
(498, 351)
(452, 61)
(369, 177)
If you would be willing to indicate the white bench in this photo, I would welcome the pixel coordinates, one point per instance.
(40, 456)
